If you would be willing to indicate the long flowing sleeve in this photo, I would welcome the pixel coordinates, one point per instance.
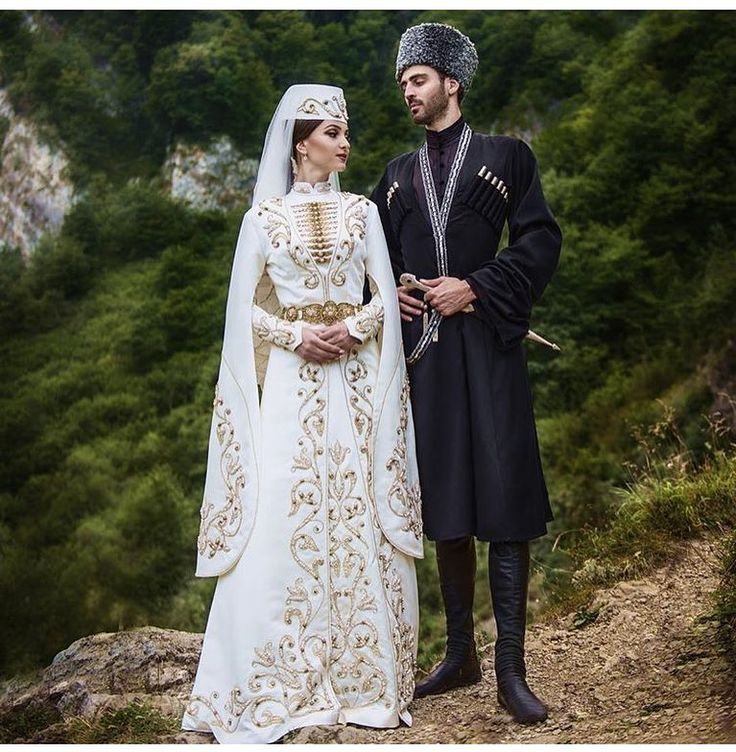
(230, 502)
(508, 285)
(396, 478)
(270, 328)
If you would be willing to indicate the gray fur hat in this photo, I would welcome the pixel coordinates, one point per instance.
(441, 46)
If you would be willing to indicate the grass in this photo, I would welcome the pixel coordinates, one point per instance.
(136, 723)
(24, 723)
(725, 595)
(656, 512)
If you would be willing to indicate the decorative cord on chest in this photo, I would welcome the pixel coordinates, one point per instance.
(317, 223)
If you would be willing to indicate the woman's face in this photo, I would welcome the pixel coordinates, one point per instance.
(327, 146)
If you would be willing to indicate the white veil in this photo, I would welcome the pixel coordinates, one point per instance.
(299, 102)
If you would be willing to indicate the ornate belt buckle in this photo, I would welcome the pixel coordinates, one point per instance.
(329, 312)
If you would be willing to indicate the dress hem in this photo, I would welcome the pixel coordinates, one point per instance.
(336, 717)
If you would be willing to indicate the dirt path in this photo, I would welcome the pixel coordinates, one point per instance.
(647, 670)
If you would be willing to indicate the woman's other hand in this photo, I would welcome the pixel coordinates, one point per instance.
(338, 334)
(315, 349)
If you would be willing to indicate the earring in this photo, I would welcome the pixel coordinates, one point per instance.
(305, 157)
(294, 167)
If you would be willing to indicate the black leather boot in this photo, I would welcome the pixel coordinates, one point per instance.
(508, 571)
(460, 667)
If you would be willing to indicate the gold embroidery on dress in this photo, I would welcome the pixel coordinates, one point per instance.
(403, 634)
(403, 499)
(289, 681)
(356, 678)
(301, 674)
(335, 107)
(370, 319)
(218, 524)
(355, 213)
(278, 228)
(355, 371)
(196, 701)
(317, 225)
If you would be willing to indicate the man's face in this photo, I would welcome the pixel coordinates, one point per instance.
(425, 93)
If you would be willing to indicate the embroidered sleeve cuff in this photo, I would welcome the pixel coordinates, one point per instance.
(365, 325)
(297, 328)
(269, 328)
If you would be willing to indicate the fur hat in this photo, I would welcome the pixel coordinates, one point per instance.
(442, 47)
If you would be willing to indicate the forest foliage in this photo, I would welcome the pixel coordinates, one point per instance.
(111, 332)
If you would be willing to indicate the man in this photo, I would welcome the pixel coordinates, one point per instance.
(443, 209)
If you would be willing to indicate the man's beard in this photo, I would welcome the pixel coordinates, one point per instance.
(434, 107)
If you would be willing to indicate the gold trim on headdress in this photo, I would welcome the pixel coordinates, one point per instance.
(334, 107)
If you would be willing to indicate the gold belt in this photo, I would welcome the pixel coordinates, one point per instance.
(321, 313)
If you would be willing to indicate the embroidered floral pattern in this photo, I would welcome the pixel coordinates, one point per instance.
(334, 107)
(289, 681)
(370, 319)
(404, 499)
(272, 329)
(278, 228)
(403, 633)
(356, 677)
(355, 213)
(218, 524)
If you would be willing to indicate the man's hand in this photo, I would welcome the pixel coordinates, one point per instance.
(408, 304)
(314, 348)
(338, 335)
(448, 294)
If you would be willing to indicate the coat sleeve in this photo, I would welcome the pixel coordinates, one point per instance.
(508, 285)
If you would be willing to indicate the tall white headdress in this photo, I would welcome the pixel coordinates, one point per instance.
(299, 102)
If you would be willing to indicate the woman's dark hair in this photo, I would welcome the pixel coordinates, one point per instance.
(302, 129)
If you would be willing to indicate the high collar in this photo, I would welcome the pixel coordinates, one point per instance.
(323, 187)
(440, 139)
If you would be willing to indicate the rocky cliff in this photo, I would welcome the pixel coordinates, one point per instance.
(35, 190)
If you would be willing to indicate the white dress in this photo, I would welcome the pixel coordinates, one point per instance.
(311, 517)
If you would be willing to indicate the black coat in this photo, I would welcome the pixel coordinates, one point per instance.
(477, 448)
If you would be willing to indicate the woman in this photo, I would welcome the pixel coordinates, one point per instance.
(311, 512)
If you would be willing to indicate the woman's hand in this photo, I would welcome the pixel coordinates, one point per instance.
(315, 349)
(338, 334)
